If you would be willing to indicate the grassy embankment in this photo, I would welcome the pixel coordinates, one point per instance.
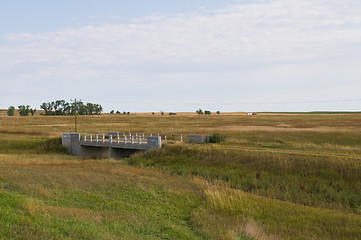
(277, 176)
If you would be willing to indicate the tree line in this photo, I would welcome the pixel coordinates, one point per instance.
(59, 107)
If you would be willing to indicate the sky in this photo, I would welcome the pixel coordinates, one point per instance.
(151, 56)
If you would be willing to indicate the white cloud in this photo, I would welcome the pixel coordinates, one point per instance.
(271, 42)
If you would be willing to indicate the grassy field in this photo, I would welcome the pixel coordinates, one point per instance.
(277, 176)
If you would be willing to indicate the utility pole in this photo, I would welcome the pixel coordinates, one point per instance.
(75, 113)
(76, 110)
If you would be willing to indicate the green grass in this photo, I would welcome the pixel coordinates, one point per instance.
(93, 201)
(330, 140)
(20, 144)
(319, 181)
(277, 176)
(281, 219)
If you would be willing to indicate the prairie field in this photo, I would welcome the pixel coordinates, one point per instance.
(276, 176)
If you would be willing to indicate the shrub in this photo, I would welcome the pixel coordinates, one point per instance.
(52, 145)
(207, 112)
(216, 138)
(32, 111)
(24, 110)
(11, 111)
(199, 111)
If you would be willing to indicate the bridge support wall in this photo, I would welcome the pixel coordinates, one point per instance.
(71, 142)
(108, 149)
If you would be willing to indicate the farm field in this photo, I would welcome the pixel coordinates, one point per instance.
(276, 176)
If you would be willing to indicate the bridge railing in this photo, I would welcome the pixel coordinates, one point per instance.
(120, 139)
(130, 138)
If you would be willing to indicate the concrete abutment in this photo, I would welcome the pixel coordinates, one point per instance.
(107, 148)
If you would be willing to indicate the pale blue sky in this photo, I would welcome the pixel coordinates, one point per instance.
(275, 55)
(18, 16)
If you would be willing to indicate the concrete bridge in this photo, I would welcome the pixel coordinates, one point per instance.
(108, 146)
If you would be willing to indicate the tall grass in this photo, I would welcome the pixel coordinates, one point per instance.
(264, 218)
(94, 200)
(277, 176)
(321, 181)
(327, 141)
(24, 144)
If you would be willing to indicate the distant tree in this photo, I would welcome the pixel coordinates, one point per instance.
(11, 111)
(90, 108)
(112, 111)
(117, 112)
(152, 113)
(59, 107)
(218, 112)
(82, 109)
(98, 109)
(24, 110)
(32, 111)
(199, 111)
(128, 113)
(124, 113)
(207, 112)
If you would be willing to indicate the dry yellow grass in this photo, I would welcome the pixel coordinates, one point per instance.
(181, 123)
(53, 184)
(262, 218)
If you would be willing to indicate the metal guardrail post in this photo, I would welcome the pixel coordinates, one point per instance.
(103, 139)
(132, 139)
(140, 140)
(91, 137)
(110, 139)
(96, 137)
(181, 138)
(125, 139)
(84, 138)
